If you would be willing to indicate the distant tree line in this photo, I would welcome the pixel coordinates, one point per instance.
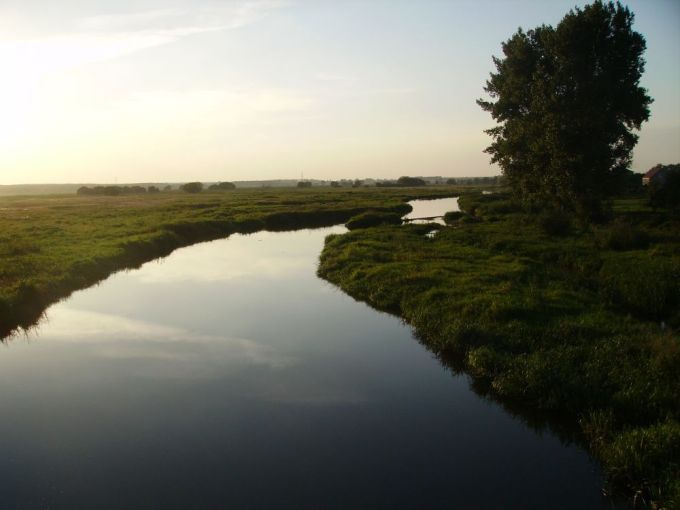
(495, 180)
(222, 186)
(116, 190)
(402, 182)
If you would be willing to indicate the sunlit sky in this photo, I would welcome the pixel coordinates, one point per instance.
(177, 90)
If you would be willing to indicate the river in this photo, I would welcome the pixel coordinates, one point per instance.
(431, 211)
(227, 375)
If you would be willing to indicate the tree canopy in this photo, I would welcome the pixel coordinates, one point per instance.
(192, 187)
(566, 100)
(405, 180)
(664, 188)
(222, 186)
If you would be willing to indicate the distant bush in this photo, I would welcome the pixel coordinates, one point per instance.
(410, 181)
(499, 206)
(621, 235)
(152, 189)
(304, 184)
(453, 216)
(486, 205)
(335, 184)
(555, 223)
(373, 219)
(222, 186)
(192, 187)
(402, 182)
(167, 187)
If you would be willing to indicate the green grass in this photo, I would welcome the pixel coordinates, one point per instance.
(375, 218)
(53, 245)
(566, 323)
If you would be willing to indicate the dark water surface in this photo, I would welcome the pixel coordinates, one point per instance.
(229, 376)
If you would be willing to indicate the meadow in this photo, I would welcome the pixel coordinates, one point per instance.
(577, 321)
(53, 245)
(544, 314)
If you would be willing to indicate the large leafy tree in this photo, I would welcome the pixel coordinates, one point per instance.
(566, 101)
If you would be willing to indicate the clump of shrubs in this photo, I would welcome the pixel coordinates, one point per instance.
(642, 453)
(192, 187)
(373, 219)
(488, 206)
(222, 186)
(554, 222)
(467, 218)
(621, 236)
(453, 216)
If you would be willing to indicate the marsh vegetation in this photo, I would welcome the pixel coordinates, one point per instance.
(577, 320)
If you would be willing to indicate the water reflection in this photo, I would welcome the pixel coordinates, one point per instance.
(431, 211)
(115, 336)
(203, 263)
(213, 379)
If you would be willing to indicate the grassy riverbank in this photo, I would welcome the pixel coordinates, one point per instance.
(581, 322)
(53, 245)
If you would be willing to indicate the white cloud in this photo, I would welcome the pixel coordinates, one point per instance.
(229, 15)
(143, 20)
(32, 68)
(105, 37)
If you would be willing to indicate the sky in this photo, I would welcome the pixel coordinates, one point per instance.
(103, 91)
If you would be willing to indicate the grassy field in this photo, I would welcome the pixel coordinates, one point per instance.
(53, 245)
(579, 322)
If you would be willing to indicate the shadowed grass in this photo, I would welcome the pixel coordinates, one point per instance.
(375, 218)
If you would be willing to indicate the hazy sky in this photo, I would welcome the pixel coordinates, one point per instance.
(177, 90)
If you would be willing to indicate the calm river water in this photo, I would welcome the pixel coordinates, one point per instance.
(227, 375)
(431, 211)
